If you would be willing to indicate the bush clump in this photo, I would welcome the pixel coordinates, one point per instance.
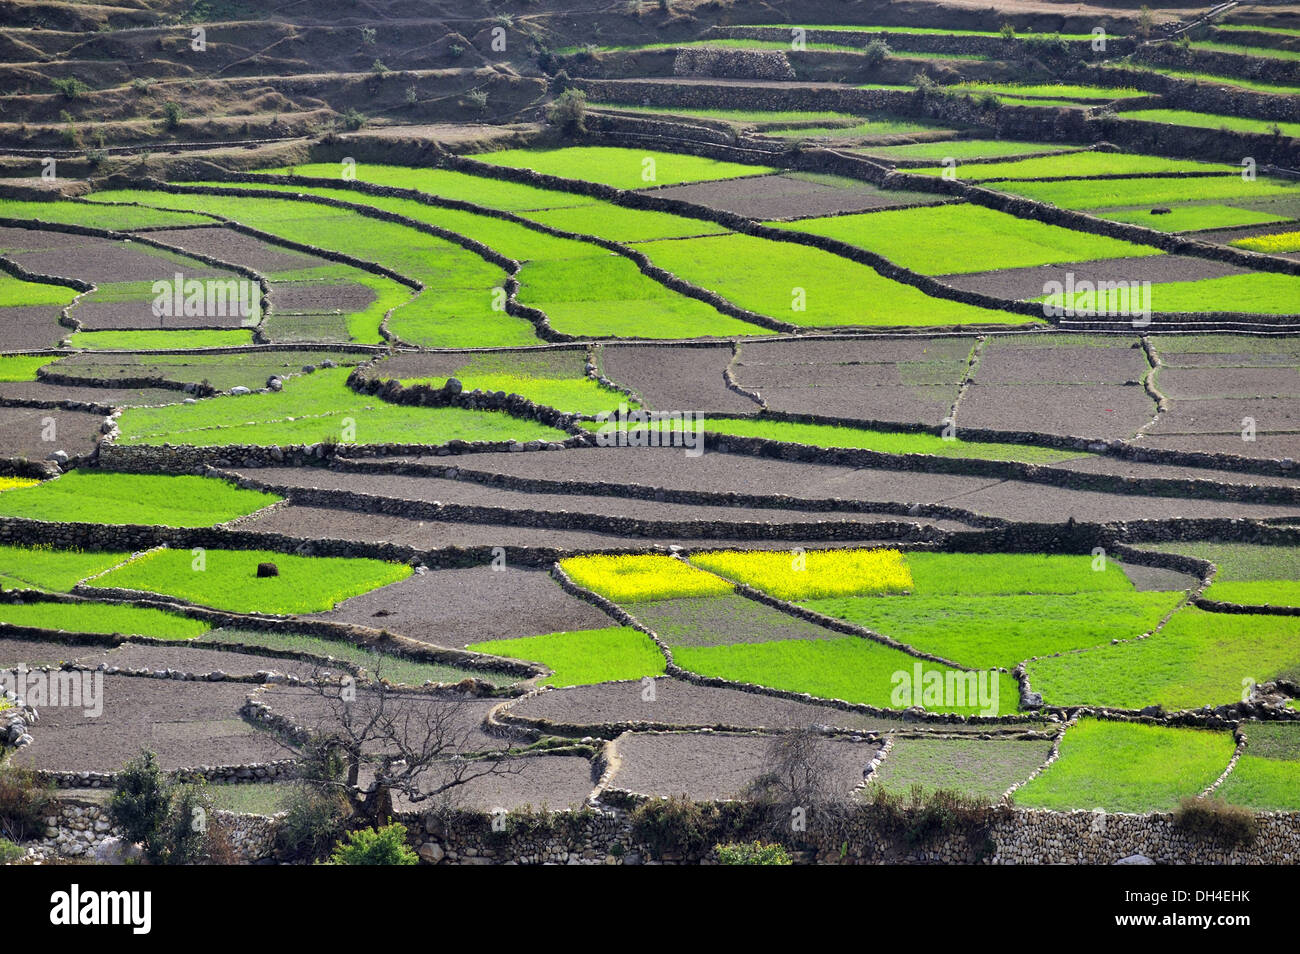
(375, 846)
(1216, 820)
(753, 853)
(24, 804)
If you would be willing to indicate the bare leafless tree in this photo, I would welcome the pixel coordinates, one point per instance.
(370, 743)
(798, 784)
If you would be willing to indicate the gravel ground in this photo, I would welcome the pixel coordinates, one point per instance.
(116, 397)
(31, 328)
(433, 489)
(1129, 468)
(1029, 283)
(1223, 382)
(1268, 446)
(708, 766)
(22, 432)
(43, 652)
(460, 717)
(321, 523)
(132, 315)
(720, 473)
(1074, 410)
(238, 249)
(457, 607)
(200, 662)
(1226, 416)
(676, 378)
(686, 704)
(1002, 362)
(724, 621)
(185, 723)
(1156, 578)
(552, 782)
(105, 260)
(789, 196)
(309, 298)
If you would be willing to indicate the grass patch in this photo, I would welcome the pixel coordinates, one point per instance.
(1191, 218)
(45, 568)
(1001, 631)
(1267, 776)
(1198, 659)
(1061, 91)
(584, 657)
(396, 669)
(252, 798)
(574, 395)
(160, 340)
(945, 239)
(814, 574)
(633, 579)
(16, 292)
(94, 496)
(965, 149)
(1184, 117)
(21, 368)
(980, 767)
(1262, 293)
(319, 407)
(121, 218)
(1079, 164)
(102, 619)
(811, 288)
(619, 167)
(852, 669)
(974, 574)
(1113, 193)
(228, 579)
(1128, 767)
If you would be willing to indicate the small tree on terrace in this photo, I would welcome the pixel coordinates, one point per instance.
(371, 743)
(569, 112)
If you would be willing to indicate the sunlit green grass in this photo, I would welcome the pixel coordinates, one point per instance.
(620, 167)
(1081, 164)
(315, 408)
(95, 496)
(227, 579)
(1267, 776)
(1113, 193)
(1127, 767)
(946, 239)
(151, 340)
(983, 768)
(44, 568)
(1263, 293)
(16, 292)
(1183, 117)
(1190, 218)
(103, 619)
(19, 368)
(584, 657)
(122, 218)
(1198, 659)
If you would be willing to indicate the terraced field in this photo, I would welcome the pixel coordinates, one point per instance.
(689, 396)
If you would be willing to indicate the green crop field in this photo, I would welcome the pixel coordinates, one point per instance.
(1190, 218)
(946, 239)
(984, 768)
(1267, 776)
(1125, 767)
(1248, 573)
(808, 287)
(227, 579)
(1264, 293)
(93, 496)
(1060, 91)
(315, 408)
(537, 377)
(584, 657)
(15, 292)
(45, 568)
(1275, 244)
(1112, 193)
(848, 668)
(18, 368)
(621, 168)
(151, 340)
(101, 619)
(1183, 117)
(119, 218)
(1197, 659)
(964, 149)
(1081, 164)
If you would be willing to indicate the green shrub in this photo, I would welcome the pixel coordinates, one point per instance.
(9, 852)
(370, 846)
(569, 111)
(353, 119)
(1213, 819)
(141, 803)
(24, 804)
(1008, 30)
(753, 853)
(923, 817)
(877, 51)
(313, 823)
(674, 826)
(172, 114)
(70, 87)
(186, 829)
